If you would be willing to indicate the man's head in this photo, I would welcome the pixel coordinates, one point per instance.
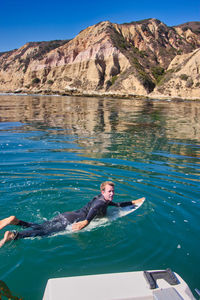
(108, 190)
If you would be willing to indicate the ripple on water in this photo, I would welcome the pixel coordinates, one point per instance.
(51, 165)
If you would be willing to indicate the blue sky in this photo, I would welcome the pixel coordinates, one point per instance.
(41, 20)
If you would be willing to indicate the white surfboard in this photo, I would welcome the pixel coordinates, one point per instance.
(113, 213)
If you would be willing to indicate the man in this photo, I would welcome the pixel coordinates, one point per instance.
(79, 219)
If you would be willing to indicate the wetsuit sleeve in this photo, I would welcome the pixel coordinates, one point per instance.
(121, 204)
(94, 211)
(25, 224)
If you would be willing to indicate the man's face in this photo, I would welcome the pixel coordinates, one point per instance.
(108, 193)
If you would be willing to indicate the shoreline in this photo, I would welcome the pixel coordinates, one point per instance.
(91, 94)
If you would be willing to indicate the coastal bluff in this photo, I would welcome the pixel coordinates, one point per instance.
(139, 59)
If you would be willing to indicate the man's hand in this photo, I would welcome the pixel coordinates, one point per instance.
(79, 225)
(135, 202)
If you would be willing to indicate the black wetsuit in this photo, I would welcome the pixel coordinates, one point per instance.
(97, 207)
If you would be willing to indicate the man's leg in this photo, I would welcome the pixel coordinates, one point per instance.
(47, 228)
(12, 220)
(57, 224)
(8, 236)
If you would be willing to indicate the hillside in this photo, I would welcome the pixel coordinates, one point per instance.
(182, 78)
(193, 26)
(105, 59)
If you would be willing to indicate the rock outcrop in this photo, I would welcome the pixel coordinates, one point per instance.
(108, 59)
(182, 78)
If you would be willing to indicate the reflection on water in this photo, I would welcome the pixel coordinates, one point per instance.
(110, 123)
(103, 115)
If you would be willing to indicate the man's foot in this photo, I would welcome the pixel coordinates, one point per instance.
(8, 236)
(12, 220)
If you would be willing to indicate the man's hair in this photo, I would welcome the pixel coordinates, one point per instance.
(103, 185)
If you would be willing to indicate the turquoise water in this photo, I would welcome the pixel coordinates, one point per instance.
(55, 152)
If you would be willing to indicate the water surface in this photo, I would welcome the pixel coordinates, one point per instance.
(55, 152)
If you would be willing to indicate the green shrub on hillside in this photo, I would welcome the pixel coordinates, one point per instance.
(50, 81)
(165, 77)
(113, 79)
(183, 77)
(143, 76)
(35, 80)
(157, 73)
(189, 83)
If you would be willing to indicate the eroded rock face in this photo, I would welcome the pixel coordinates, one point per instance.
(182, 78)
(105, 58)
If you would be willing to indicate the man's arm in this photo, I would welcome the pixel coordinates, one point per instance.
(127, 203)
(90, 216)
(80, 225)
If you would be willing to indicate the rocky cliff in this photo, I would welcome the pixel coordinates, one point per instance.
(182, 78)
(110, 59)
